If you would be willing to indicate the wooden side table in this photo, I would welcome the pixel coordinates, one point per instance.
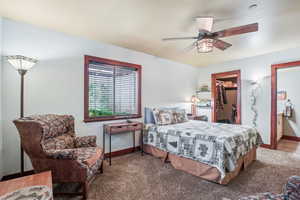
(122, 127)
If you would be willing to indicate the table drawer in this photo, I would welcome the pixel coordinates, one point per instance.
(119, 129)
(135, 127)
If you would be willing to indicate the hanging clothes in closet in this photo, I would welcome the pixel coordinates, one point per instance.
(221, 95)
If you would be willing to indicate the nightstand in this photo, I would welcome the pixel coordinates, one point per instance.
(199, 117)
(122, 127)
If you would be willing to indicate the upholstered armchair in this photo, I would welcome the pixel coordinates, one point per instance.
(291, 191)
(51, 144)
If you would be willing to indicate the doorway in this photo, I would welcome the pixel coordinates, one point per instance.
(284, 100)
(226, 97)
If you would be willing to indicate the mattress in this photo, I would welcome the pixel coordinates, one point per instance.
(215, 144)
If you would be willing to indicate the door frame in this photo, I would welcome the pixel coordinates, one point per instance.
(214, 78)
(274, 69)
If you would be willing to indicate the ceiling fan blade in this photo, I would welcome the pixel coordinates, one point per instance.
(220, 44)
(204, 23)
(237, 30)
(180, 38)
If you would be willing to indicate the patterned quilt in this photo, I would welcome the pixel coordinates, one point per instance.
(215, 144)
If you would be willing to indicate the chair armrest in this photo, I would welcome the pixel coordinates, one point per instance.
(292, 189)
(63, 154)
(85, 141)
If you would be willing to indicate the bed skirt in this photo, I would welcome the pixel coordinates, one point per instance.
(200, 169)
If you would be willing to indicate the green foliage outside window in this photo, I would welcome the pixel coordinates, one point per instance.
(104, 100)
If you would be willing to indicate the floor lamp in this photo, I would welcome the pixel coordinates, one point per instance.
(22, 64)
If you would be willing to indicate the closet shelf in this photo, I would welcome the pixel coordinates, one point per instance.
(230, 88)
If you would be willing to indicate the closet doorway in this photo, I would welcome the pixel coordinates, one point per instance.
(285, 109)
(226, 97)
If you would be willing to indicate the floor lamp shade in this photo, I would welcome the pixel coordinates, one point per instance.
(22, 64)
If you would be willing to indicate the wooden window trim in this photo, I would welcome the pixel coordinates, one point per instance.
(87, 60)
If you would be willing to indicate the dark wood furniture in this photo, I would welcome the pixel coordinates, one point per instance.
(26, 181)
(122, 127)
(198, 117)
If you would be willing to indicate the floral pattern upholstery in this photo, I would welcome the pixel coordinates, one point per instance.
(59, 141)
(85, 141)
(91, 171)
(86, 156)
(54, 125)
(62, 154)
(291, 191)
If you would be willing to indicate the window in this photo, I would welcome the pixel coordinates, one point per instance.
(112, 90)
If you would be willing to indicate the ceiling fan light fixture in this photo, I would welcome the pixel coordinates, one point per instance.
(205, 45)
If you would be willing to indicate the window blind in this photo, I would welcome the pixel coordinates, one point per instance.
(112, 90)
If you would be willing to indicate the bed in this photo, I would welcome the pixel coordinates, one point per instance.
(214, 151)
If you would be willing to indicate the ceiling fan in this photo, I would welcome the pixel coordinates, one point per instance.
(206, 40)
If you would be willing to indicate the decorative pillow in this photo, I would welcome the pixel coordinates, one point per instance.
(179, 116)
(163, 117)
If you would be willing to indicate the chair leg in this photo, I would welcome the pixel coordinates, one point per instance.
(85, 190)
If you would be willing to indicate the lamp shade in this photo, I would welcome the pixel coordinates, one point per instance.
(194, 99)
(204, 45)
(21, 62)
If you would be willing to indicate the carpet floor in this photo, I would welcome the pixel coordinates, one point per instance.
(133, 177)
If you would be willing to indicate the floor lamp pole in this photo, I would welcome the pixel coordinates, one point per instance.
(22, 73)
(22, 64)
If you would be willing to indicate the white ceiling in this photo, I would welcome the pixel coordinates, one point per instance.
(140, 24)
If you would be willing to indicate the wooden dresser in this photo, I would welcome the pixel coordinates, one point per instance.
(280, 127)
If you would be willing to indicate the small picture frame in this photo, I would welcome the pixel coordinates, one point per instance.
(281, 95)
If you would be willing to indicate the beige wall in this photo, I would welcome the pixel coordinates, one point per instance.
(55, 84)
(258, 67)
